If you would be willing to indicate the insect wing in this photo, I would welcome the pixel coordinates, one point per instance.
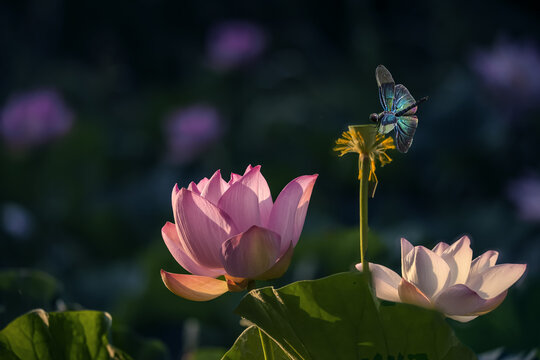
(403, 99)
(405, 129)
(385, 129)
(387, 123)
(386, 87)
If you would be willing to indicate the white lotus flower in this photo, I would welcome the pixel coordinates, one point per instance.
(446, 279)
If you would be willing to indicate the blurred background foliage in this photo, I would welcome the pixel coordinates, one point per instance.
(106, 105)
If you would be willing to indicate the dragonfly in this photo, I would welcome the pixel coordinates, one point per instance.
(399, 110)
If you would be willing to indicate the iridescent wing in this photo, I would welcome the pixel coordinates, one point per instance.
(405, 129)
(403, 99)
(386, 87)
(387, 123)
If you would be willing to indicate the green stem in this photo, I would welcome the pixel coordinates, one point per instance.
(363, 167)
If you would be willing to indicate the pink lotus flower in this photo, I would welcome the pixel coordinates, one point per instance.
(192, 130)
(233, 229)
(34, 118)
(234, 43)
(446, 279)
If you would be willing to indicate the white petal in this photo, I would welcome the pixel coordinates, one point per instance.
(461, 300)
(462, 319)
(458, 257)
(406, 248)
(427, 271)
(385, 281)
(496, 279)
(440, 247)
(484, 262)
(410, 294)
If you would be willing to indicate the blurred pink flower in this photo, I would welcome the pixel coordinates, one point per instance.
(525, 193)
(511, 70)
(34, 118)
(190, 131)
(233, 229)
(446, 279)
(234, 43)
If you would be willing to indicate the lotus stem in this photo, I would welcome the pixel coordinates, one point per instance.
(363, 167)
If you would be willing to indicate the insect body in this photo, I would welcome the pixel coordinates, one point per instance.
(399, 110)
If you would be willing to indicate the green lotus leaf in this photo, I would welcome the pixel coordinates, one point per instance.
(338, 318)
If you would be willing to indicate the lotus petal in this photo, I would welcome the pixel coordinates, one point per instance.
(484, 262)
(193, 188)
(406, 248)
(248, 201)
(194, 287)
(385, 282)
(496, 279)
(280, 267)
(234, 178)
(458, 257)
(202, 228)
(410, 294)
(202, 183)
(251, 253)
(214, 188)
(440, 247)
(461, 300)
(462, 319)
(175, 246)
(289, 210)
(428, 271)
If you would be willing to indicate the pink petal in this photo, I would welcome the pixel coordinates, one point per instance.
(410, 294)
(483, 262)
(461, 300)
(242, 205)
(248, 201)
(258, 184)
(250, 253)
(193, 188)
(458, 257)
(174, 193)
(214, 188)
(406, 248)
(202, 183)
(427, 271)
(496, 279)
(248, 169)
(385, 281)
(202, 228)
(280, 267)
(491, 304)
(175, 246)
(289, 210)
(440, 247)
(194, 287)
(234, 178)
